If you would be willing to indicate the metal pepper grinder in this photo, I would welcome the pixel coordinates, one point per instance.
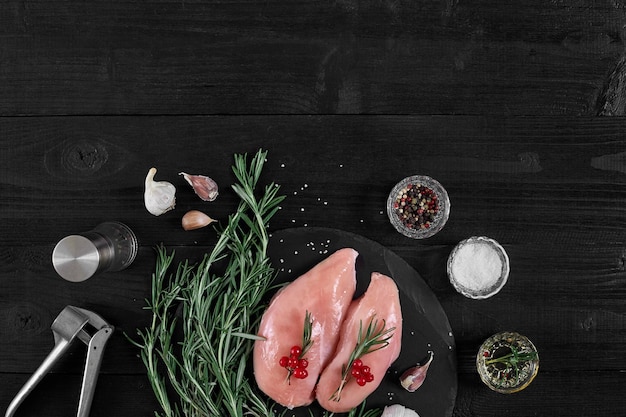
(110, 246)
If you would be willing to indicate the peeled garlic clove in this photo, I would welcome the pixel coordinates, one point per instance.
(398, 410)
(159, 196)
(204, 186)
(195, 219)
(414, 377)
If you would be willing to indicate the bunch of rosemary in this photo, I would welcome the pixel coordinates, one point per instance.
(201, 335)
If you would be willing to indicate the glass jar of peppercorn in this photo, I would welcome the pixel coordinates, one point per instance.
(418, 207)
(507, 362)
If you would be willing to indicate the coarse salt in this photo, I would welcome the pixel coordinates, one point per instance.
(477, 266)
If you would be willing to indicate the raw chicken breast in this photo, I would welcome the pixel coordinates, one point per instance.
(326, 292)
(380, 302)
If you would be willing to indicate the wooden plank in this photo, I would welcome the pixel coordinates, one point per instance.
(523, 180)
(420, 57)
(587, 393)
(557, 308)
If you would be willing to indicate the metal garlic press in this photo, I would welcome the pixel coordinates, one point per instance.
(72, 323)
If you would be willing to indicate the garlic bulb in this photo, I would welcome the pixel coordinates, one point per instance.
(159, 196)
(195, 219)
(414, 377)
(398, 410)
(203, 186)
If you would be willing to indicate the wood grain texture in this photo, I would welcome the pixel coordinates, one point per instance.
(538, 57)
(550, 189)
(498, 100)
(130, 396)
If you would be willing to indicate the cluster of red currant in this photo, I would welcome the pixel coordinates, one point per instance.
(361, 373)
(294, 363)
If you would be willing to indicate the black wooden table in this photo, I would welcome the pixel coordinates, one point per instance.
(515, 107)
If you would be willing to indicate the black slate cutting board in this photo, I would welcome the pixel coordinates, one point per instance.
(425, 324)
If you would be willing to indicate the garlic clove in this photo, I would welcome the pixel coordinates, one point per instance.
(397, 410)
(414, 377)
(203, 186)
(159, 196)
(195, 219)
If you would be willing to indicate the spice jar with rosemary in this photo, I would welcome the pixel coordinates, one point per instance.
(507, 362)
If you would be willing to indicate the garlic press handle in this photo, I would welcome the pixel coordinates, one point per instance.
(95, 351)
(59, 349)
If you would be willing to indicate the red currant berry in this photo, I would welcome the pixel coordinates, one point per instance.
(284, 361)
(293, 362)
(300, 373)
(365, 369)
(361, 381)
(369, 377)
(296, 351)
(357, 363)
(355, 372)
(303, 363)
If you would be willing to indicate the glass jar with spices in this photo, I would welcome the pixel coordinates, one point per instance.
(478, 267)
(418, 207)
(507, 362)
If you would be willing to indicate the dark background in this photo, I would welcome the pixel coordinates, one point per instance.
(515, 107)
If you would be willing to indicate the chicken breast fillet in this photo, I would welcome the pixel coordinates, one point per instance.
(325, 292)
(379, 302)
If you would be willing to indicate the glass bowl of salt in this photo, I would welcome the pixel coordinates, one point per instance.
(478, 267)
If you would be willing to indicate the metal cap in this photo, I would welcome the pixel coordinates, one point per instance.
(76, 258)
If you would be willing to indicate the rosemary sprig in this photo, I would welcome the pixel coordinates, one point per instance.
(305, 346)
(374, 338)
(201, 335)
